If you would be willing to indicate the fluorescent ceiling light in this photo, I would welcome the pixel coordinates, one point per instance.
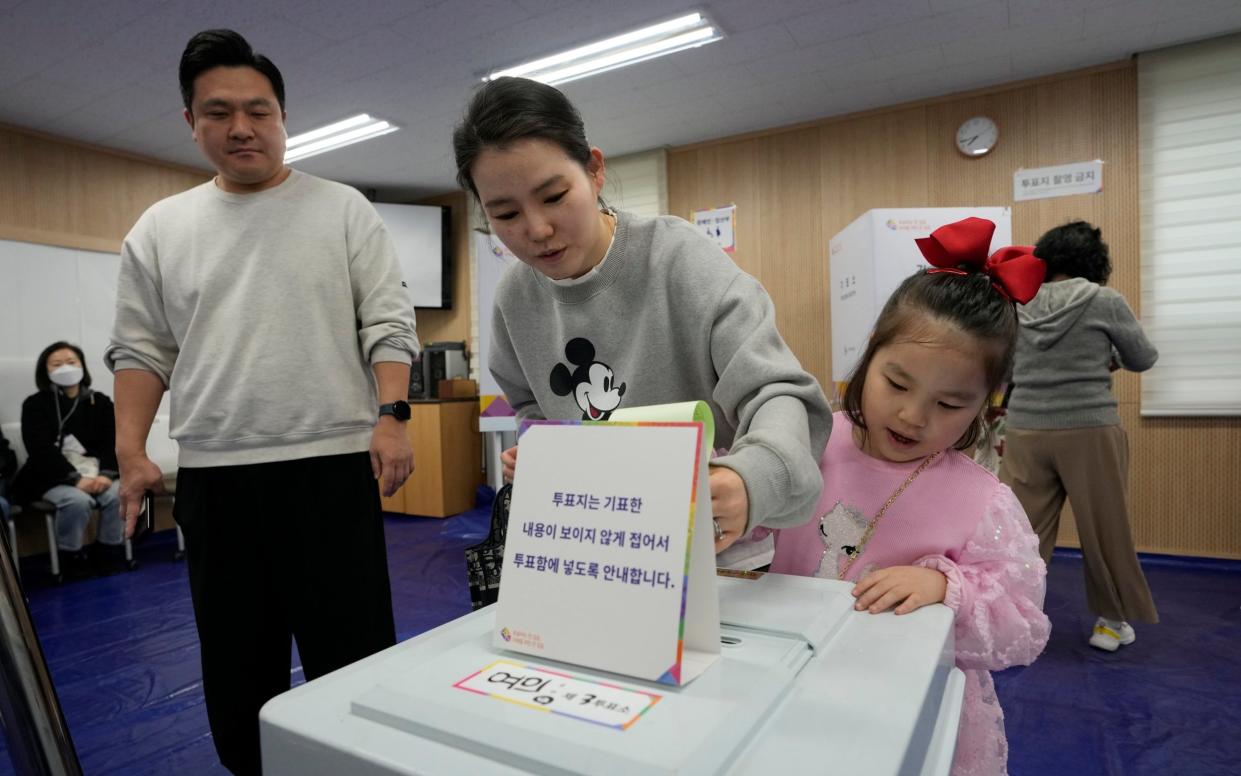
(330, 129)
(337, 135)
(628, 49)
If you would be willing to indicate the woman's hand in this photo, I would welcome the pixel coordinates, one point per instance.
(730, 505)
(508, 460)
(905, 587)
(86, 485)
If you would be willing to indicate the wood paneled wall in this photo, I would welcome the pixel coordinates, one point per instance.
(796, 187)
(56, 192)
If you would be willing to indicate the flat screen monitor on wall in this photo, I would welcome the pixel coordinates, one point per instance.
(421, 235)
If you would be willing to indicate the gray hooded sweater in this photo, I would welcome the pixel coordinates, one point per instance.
(1070, 334)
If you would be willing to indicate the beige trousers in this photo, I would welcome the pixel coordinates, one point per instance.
(1090, 466)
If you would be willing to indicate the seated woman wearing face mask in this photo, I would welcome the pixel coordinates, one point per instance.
(70, 436)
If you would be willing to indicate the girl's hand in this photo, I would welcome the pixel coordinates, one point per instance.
(905, 587)
(730, 505)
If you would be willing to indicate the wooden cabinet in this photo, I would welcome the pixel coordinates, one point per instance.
(447, 459)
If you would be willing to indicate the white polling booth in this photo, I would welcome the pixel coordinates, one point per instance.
(870, 257)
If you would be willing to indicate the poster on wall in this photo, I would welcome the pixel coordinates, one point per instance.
(719, 225)
(1064, 180)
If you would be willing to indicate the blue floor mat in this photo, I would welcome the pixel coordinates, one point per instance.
(1166, 704)
(123, 652)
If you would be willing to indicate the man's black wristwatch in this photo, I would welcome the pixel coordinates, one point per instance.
(397, 409)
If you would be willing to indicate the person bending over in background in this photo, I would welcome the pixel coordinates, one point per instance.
(1064, 433)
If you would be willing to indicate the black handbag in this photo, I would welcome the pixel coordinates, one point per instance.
(484, 561)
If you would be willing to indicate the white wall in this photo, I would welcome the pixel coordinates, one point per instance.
(49, 294)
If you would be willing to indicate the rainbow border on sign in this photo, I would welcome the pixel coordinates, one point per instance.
(622, 727)
(673, 675)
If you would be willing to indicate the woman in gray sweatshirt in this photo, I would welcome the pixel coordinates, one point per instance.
(1064, 434)
(610, 309)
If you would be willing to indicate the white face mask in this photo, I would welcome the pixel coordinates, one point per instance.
(66, 376)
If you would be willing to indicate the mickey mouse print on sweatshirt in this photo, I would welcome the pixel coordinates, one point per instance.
(591, 383)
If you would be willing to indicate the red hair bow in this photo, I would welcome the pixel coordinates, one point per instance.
(1014, 271)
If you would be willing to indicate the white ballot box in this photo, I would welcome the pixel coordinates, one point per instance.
(870, 257)
(803, 684)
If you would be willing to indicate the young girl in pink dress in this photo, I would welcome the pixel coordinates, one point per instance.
(904, 513)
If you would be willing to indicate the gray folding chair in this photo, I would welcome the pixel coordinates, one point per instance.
(12, 432)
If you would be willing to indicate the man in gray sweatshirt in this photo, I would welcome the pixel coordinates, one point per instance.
(1064, 435)
(270, 304)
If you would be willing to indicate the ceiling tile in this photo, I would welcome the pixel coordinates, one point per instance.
(334, 20)
(737, 49)
(822, 56)
(953, 78)
(38, 96)
(724, 80)
(740, 15)
(854, 18)
(1132, 13)
(158, 133)
(906, 63)
(960, 27)
(1051, 31)
(447, 24)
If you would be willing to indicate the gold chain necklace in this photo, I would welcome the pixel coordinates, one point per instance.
(854, 552)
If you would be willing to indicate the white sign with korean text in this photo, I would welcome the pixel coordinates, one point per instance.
(609, 559)
(1060, 181)
(559, 693)
(719, 224)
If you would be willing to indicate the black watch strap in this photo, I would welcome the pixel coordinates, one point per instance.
(397, 409)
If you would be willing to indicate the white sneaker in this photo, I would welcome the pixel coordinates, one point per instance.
(1111, 635)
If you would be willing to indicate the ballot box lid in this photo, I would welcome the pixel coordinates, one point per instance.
(803, 608)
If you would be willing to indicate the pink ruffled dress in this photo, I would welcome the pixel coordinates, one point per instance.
(956, 517)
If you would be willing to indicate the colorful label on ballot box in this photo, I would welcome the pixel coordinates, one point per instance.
(558, 693)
